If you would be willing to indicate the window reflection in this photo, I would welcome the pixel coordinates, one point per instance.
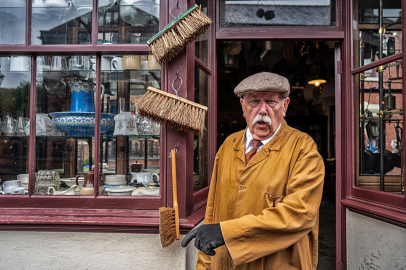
(203, 41)
(131, 150)
(380, 128)
(15, 83)
(267, 13)
(12, 21)
(200, 164)
(367, 35)
(70, 22)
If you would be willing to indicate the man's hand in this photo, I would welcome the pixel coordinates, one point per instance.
(208, 237)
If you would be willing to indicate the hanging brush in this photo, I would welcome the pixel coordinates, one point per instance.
(171, 40)
(173, 111)
(169, 217)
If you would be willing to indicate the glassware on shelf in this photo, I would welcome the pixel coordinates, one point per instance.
(20, 128)
(9, 125)
(125, 122)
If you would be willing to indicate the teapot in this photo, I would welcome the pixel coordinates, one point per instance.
(82, 98)
(88, 185)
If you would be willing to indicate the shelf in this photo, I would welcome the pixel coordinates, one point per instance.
(137, 137)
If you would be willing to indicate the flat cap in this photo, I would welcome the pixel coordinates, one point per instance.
(263, 82)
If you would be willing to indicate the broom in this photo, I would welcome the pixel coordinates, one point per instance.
(173, 111)
(171, 40)
(169, 217)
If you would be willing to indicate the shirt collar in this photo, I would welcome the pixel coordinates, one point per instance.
(248, 137)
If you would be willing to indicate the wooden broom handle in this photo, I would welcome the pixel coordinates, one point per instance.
(175, 193)
(174, 96)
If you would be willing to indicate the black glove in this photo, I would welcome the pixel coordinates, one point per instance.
(208, 237)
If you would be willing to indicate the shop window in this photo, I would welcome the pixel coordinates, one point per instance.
(15, 83)
(200, 146)
(65, 145)
(12, 21)
(380, 156)
(128, 21)
(366, 34)
(202, 42)
(277, 13)
(70, 22)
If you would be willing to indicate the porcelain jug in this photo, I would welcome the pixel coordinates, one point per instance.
(82, 98)
(9, 185)
(70, 191)
(88, 185)
(144, 178)
(125, 124)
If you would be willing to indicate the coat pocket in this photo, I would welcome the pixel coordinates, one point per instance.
(273, 200)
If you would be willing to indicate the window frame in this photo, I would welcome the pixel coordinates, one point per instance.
(276, 32)
(379, 204)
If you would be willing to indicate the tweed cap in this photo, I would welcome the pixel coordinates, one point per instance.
(263, 82)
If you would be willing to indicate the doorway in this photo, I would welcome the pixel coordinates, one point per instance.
(311, 107)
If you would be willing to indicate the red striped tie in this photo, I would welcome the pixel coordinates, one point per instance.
(253, 151)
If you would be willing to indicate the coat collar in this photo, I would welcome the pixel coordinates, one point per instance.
(273, 145)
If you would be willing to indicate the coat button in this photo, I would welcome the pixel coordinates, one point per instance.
(240, 187)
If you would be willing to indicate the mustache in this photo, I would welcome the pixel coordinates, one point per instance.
(262, 118)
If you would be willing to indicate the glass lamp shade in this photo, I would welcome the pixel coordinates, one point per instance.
(317, 82)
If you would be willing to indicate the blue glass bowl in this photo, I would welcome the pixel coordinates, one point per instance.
(80, 124)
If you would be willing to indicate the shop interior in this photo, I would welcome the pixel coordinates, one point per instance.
(311, 107)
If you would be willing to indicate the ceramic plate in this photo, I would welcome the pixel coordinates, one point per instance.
(70, 182)
(120, 190)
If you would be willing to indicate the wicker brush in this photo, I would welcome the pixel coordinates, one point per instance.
(171, 40)
(173, 111)
(169, 217)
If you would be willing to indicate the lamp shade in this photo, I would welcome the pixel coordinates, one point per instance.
(317, 81)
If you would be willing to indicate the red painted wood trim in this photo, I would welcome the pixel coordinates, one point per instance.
(76, 202)
(378, 196)
(31, 144)
(77, 48)
(376, 209)
(212, 113)
(279, 33)
(387, 220)
(201, 65)
(200, 195)
(340, 227)
(377, 63)
(28, 15)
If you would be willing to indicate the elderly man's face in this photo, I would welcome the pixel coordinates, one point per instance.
(264, 113)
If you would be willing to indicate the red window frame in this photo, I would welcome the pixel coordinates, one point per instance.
(42, 212)
(378, 204)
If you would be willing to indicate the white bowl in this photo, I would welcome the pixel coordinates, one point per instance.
(120, 190)
(121, 183)
(115, 177)
(72, 181)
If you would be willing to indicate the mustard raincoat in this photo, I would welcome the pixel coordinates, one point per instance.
(268, 209)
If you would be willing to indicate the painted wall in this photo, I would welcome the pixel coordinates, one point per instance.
(373, 244)
(76, 250)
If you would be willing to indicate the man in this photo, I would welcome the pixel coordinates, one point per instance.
(266, 188)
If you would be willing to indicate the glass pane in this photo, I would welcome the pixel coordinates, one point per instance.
(65, 121)
(266, 13)
(130, 151)
(12, 21)
(15, 83)
(62, 22)
(367, 40)
(128, 21)
(380, 155)
(202, 43)
(200, 156)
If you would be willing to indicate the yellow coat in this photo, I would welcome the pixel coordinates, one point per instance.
(268, 210)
